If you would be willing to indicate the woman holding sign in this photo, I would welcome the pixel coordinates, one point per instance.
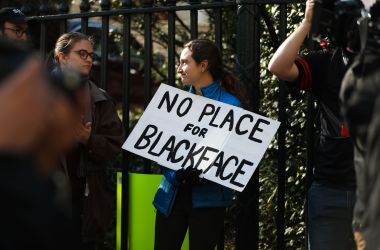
(183, 200)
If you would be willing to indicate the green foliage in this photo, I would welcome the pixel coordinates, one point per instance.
(295, 146)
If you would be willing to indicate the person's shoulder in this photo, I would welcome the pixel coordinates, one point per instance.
(98, 93)
(106, 94)
(228, 98)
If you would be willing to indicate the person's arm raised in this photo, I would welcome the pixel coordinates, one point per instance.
(282, 63)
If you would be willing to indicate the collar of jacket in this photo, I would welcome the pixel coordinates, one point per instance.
(209, 90)
(97, 94)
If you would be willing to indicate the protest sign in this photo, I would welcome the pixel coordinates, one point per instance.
(179, 130)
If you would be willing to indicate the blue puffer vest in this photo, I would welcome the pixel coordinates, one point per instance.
(206, 194)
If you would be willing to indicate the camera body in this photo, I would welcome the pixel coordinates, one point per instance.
(370, 29)
(337, 20)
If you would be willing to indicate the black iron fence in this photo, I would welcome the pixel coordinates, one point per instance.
(249, 14)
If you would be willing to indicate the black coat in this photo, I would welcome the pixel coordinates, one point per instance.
(92, 162)
(34, 213)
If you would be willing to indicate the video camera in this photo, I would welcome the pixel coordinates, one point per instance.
(336, 20)
(371, 28)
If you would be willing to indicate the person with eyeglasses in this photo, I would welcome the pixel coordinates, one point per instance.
(99, 141)
(13, 24)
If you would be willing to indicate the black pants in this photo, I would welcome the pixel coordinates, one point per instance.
(77, 219)
(205, 225)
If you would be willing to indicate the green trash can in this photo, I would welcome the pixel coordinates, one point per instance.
(142, 188)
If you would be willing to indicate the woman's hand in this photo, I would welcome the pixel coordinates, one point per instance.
(282, 63)
(84, 132)
(309, 12)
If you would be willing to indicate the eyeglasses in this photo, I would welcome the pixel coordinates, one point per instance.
(84, 54)
(19, 32)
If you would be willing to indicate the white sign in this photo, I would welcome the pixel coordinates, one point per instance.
(180, 129)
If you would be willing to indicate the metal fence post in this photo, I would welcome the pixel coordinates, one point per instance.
(171, 44)
(218, 26)
(281, 166)
(194, 20)
(43, 10)
(84, 7)
(147, 66)
(105, 5)
(63, 9)
(126, 105)
(248, 69)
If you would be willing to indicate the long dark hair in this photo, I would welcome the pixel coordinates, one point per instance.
(204, 49)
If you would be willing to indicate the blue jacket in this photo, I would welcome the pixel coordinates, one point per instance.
(207, 193)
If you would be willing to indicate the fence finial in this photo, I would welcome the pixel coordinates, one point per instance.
(105, 4)
(26, 9)
(147, 3)
(171, 2)
(84, 6)
(194, 1)
(44, 8)
(126, 3)
(63, 7)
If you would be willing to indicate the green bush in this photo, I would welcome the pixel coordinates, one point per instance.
(295, 147)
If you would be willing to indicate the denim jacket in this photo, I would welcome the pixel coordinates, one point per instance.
(207, 193)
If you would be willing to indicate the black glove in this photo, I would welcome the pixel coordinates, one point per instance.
(188, 176)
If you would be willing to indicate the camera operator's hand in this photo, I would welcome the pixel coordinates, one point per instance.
(188, 176)
(282, 63)
(309, 11)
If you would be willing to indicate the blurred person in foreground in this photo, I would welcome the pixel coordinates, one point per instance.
(98, 142)
(360, 95)
(37, 117)
(332, 193)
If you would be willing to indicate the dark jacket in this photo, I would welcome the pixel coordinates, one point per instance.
(87, 166)
(207, 193)
(321, 73)
(34, 211)
(360, 96)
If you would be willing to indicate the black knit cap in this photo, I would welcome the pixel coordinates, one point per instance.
(12, 15)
